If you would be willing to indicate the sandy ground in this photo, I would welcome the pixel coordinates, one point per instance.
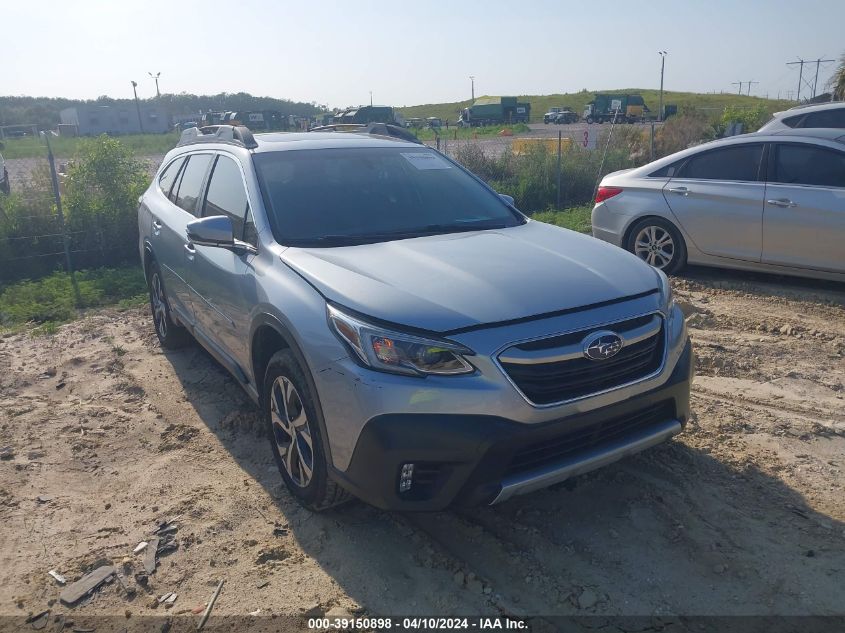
(742, 514)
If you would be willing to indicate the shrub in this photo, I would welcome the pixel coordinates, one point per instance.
(751, 118)
(682, 131)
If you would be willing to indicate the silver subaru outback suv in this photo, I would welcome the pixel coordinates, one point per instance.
(410, 337)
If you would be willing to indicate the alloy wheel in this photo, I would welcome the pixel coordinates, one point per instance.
(655, 246)
(159, 306)
(291, 431)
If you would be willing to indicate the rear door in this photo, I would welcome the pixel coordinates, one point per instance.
(804, 219)
(717, 197)
(221, 279)
(170, 222)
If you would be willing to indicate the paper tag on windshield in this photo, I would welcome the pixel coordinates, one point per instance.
(426, 160)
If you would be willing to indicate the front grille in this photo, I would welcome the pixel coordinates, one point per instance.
(567, 444)
(549, 382)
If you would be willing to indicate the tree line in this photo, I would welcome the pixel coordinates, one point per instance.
(43, 112)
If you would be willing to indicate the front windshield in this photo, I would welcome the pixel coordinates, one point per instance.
(347, 196)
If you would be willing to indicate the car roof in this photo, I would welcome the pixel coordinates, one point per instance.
(810, 107)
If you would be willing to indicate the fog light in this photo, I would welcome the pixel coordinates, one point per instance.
(406, 477)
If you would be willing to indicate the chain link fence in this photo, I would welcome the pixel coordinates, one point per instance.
(47, 225)
(548, 168)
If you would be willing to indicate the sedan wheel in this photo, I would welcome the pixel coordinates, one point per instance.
(291, 431)
(658, 243)
(655, 245)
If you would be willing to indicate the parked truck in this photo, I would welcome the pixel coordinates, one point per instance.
(369, 114)
(625, 108)
(494, 111)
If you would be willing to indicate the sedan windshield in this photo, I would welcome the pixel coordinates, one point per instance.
(331, 197)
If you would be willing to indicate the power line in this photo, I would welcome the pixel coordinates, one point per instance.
(801, 80)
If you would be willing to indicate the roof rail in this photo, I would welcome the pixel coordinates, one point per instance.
(235, 134)
(376, 129)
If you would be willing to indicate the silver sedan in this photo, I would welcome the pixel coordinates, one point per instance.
(772, 202)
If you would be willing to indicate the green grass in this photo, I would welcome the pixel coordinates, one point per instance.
(576, 218)
(710, 103)
(50, 300)
(65, 147)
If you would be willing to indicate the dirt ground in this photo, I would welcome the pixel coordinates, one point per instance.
(104, 436)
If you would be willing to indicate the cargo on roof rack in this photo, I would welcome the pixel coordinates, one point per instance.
(234, 134)
(376, 129)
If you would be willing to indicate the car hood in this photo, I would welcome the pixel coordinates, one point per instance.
(447, 282)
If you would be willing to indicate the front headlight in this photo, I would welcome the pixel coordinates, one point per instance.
(668, 299)
(396, 352)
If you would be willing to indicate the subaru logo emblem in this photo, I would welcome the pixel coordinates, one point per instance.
(602, 345)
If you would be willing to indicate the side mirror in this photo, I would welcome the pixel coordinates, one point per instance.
(212, 231)
(508, 199)
(216, 231)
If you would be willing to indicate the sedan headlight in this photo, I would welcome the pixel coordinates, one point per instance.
(399, 353)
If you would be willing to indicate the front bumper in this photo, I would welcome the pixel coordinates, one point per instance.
(473, 459)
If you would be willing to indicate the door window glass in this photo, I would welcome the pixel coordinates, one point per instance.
(168, 176)
(826, 118)
(226, 194)
(809, 165)
(740, 162)
(191, 183)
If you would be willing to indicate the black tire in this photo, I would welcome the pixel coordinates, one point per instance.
(320, 491)
(170, 335)
(652, 232)
(590, 120)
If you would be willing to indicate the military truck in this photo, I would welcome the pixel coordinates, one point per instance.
(494, 111)
(622, 108)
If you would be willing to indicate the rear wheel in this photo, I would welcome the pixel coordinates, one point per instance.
(170, 335)
(290, 411)
(657, 242)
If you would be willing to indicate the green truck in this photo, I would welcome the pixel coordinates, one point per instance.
(368, 114)
(494, 111)
(625, 108)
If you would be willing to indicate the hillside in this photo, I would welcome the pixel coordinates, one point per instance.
(710, 103)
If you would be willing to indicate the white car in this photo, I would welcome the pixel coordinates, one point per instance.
(769, 201)
(816, 115)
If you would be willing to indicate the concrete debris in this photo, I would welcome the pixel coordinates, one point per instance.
(150, 555)
(140, 547)
(86, 585)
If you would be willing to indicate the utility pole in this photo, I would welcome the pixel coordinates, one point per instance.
(749, 86)
(156, 76)
(800, 75)
(371, 98)
(138, 106)
(739, 83)
(816, 81)
(662, 67)
(472, 81)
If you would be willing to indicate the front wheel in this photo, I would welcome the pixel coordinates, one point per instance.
(657, 242)
(290, 411)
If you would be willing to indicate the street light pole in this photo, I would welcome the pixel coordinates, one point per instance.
(662, 66)
(371, 98)
(472, 82)
(156, 76)
(138, 106)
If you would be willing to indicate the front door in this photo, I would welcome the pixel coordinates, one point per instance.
(804, 220)
(222, 280)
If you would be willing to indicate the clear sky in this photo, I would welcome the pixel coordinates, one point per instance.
(409, 52)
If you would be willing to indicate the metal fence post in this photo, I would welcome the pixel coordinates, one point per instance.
(68, 261)
(651, 152)
(559, 142)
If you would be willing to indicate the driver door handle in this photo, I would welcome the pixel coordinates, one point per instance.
(782, 202)
(190, 251)
(681, 191)
(156, 226)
